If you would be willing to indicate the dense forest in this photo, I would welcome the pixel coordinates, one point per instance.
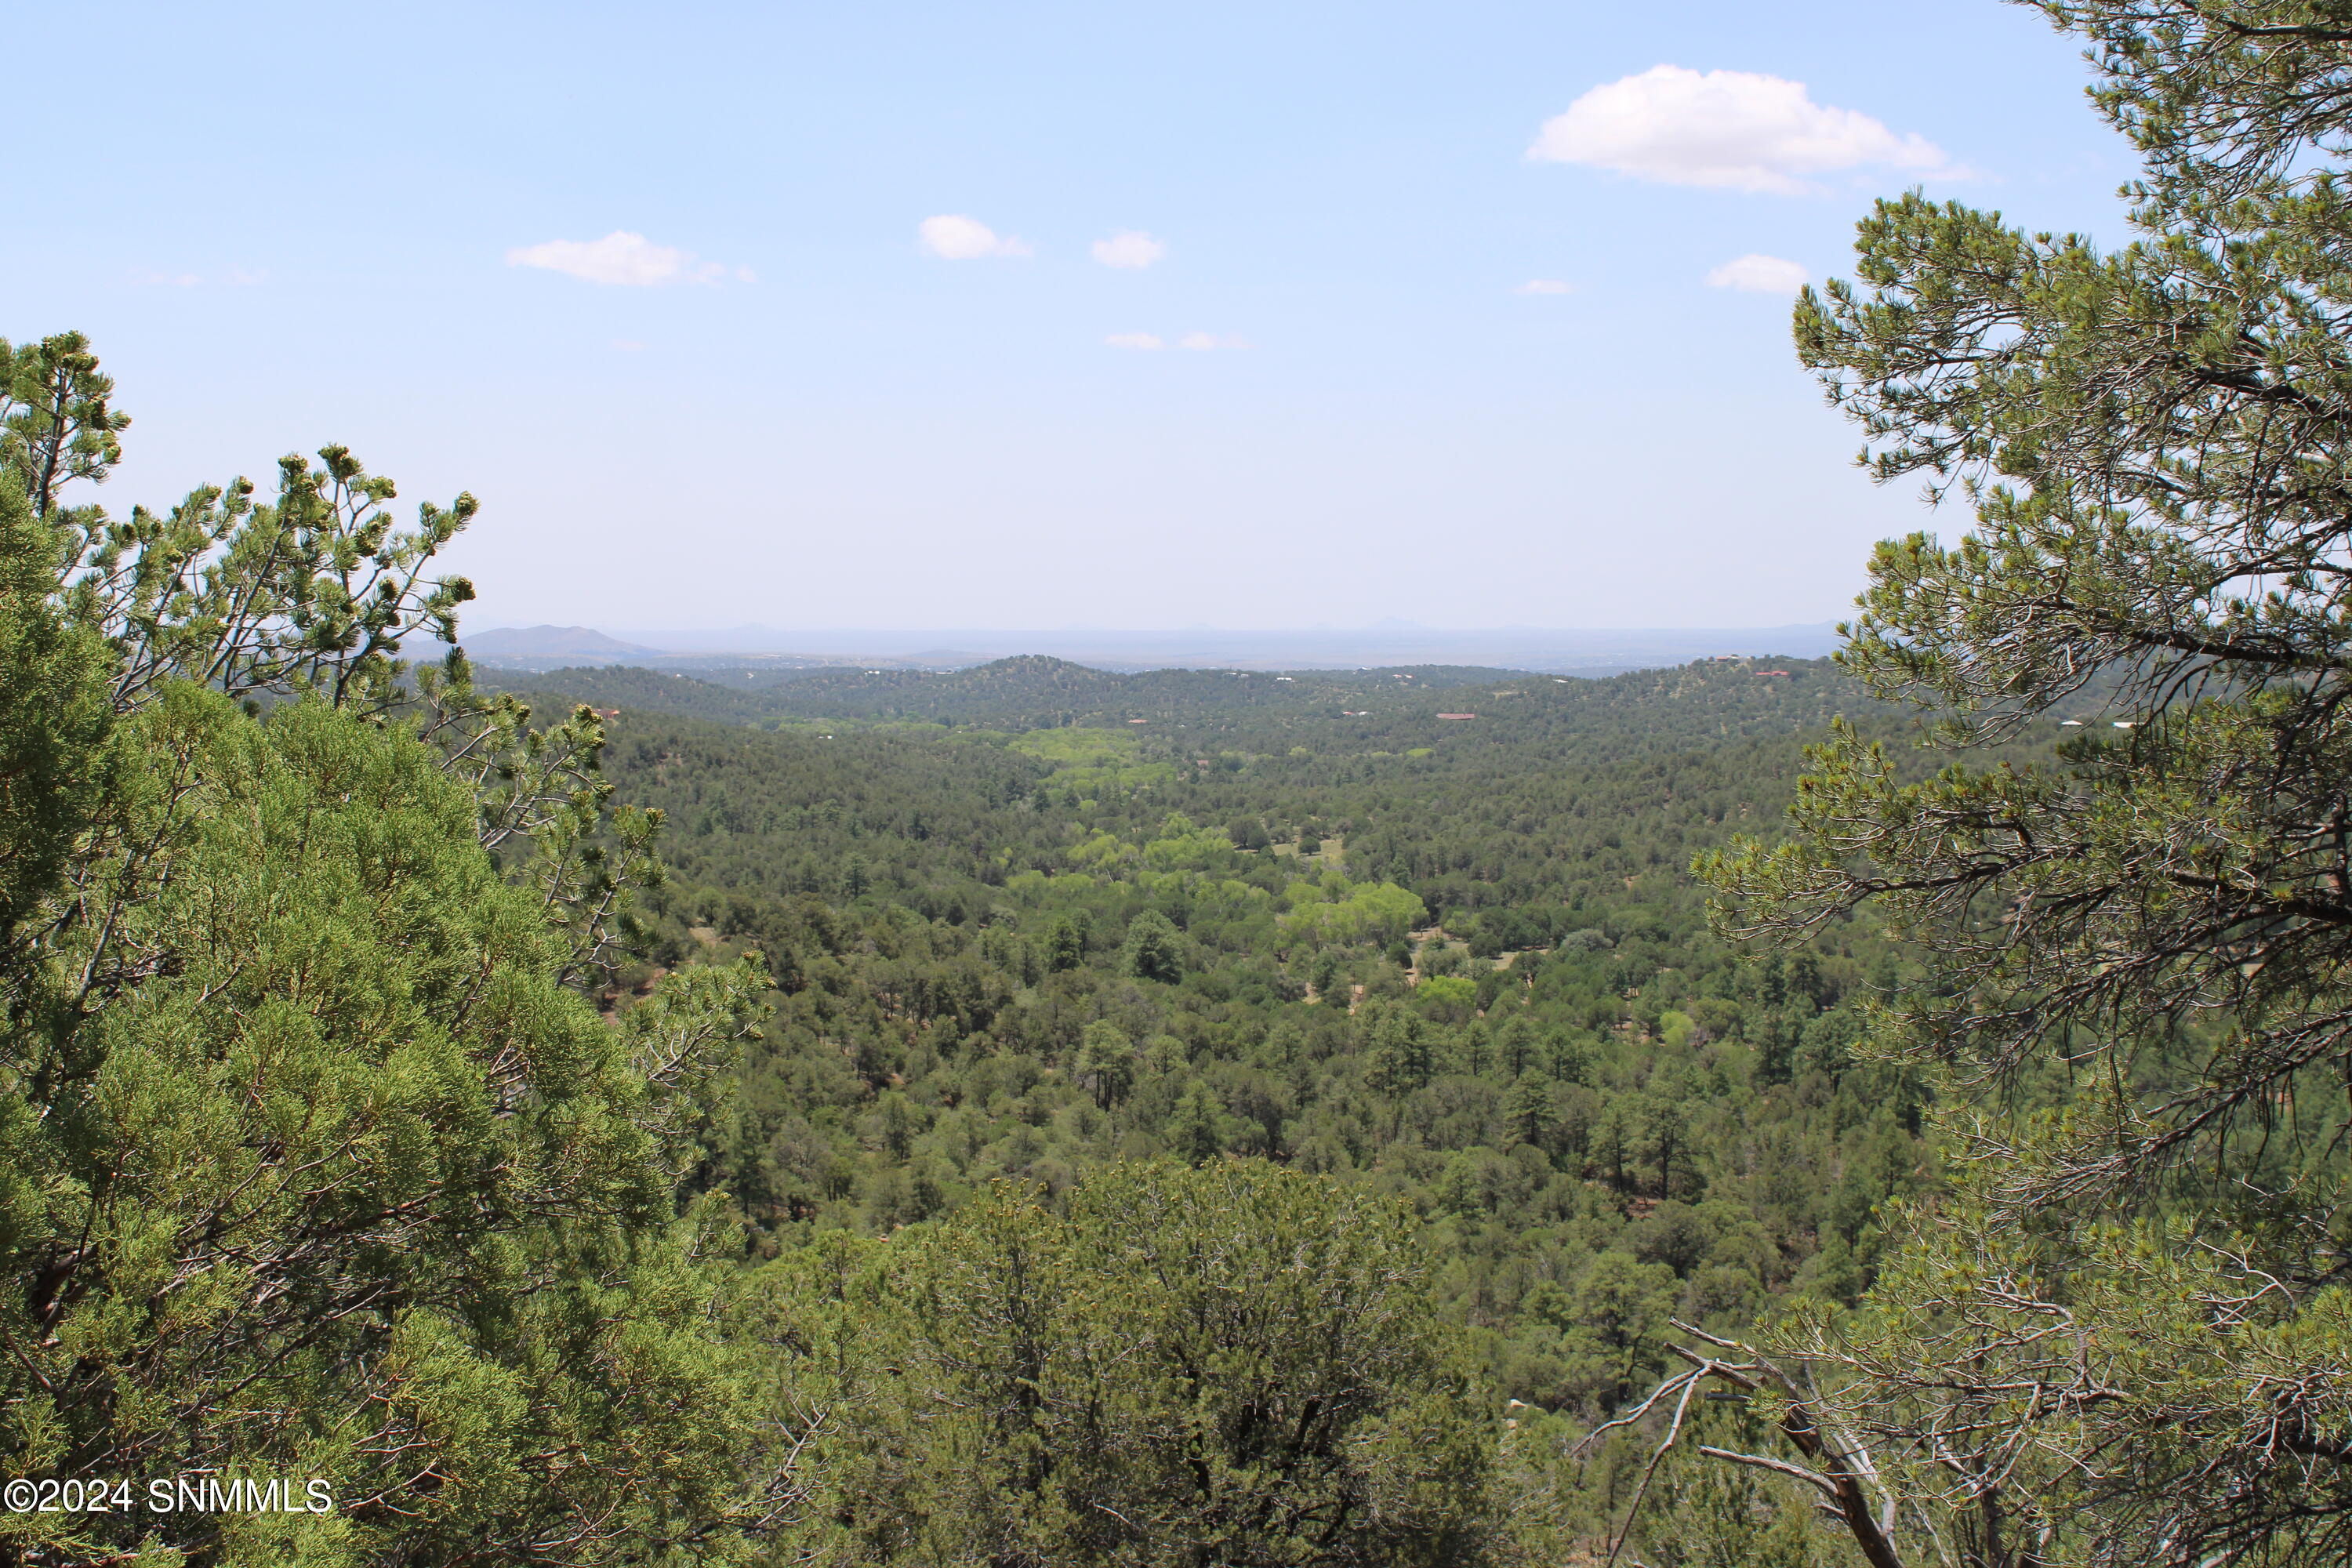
(1463, 962)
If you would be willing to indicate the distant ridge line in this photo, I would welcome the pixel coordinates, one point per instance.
(1557, 652)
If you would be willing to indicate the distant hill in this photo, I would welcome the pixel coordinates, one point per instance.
(1026, 692)
(1701, 703)
(511, 645)
(1036, 690)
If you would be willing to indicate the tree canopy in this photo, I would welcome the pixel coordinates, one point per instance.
(1235, 1364)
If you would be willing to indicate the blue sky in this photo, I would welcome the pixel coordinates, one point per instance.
(392, 228)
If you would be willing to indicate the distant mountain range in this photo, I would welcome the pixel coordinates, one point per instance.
(1557, 651)
(569, 644)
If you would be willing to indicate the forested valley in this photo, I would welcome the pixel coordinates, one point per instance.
(1462, 962)
(1029, 921)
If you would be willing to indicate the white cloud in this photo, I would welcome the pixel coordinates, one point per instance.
(1754, 274)
(620, 258)
(1135, 341)
(1728, 130)
(960, 239)
(624, 259)
(1546, 286)
(1129, 247)
(1209, 340)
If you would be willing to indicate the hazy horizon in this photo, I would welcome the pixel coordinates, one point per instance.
(623, 629)
(1553, 649)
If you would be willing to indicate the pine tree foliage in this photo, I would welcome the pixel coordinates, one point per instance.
(1236, 1364)
(316, 1159)
(54, 726)
(2123, 1337)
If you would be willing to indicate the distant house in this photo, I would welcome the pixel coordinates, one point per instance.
(1457, 715)
(1781, 673)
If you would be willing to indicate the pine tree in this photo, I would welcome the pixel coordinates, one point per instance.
(1196, 1131)
(1238, 1363)
(315, 1159)
(1154, 950)
(1528, 1111)
(1066, 944)
(1106, 1062)
(1401, 1056)
(2121, 1336)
